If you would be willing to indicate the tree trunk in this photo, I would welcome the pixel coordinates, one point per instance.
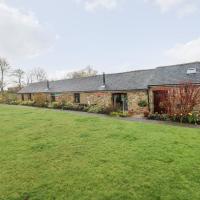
(2, 81)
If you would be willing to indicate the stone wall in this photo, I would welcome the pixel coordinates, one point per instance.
(102, 99)
(105, 99)
(99, 98)
(134, 98)
(33, 96)
(66, 97)
(151, 100)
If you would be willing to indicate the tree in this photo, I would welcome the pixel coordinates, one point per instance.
(86, 72)
(29, 77)
(19, 75)
(4, 68)
(39, 74)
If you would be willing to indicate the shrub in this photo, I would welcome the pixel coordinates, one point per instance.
(124, 114)
(142, 103)
(85, 108)
(79, 107)
(95, 109)
(194, 118)
(108, 109)
(191, 118)
(13, 102)
(27, 103)
(68, 106)
(41, 100)
(8, 98)
(31, 103)
(114, 114)
(157, 116)
(119, 114)
(75, 107)
(56, 105)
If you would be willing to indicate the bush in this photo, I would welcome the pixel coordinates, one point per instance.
(75, 107)
(68, 106)
(56, 105)
(142, 103)
(27, 103)
(124, 114)
(8, 98)
(107, 110)
(119, 114)
(95, 109)
(114, 114)
(85, 108)
(14, 102)
(156, 116)
(191, 118)
(41, 100)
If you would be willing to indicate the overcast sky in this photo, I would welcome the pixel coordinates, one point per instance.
(110, 35)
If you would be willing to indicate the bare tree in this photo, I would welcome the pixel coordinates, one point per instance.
(4, 68)
(86, 72)
(39, 74)
(19, 75)
(29, 77)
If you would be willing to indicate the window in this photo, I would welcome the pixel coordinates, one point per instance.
(22, 97)
(191, 71)
(120, 101)
(54, 96)
(76, 98)
(29, 97)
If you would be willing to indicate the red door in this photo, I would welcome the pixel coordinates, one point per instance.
(159, 97)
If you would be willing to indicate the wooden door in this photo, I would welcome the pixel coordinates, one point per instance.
(159, 97)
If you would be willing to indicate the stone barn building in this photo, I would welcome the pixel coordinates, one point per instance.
(120, 89)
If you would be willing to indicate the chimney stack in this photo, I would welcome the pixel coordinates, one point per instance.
(104, 79)
(48, 85)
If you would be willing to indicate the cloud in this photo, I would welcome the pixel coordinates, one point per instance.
(93, 5)
(21, 34)
(187, 52)
(181, 7)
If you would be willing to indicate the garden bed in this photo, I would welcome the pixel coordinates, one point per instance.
(190, 118)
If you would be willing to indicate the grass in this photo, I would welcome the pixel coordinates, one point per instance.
(56, 155)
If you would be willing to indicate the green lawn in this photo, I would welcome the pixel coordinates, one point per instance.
(46, 154)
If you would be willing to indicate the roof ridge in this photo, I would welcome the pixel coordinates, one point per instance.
(183, 64)
(87, 77)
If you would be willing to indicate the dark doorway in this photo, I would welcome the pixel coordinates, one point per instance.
(120, 101)
(160, 96)
(76, 97)
(29, 97)
(53, 97)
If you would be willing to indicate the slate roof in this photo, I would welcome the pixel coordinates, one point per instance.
(134, 80)
(175, 74)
